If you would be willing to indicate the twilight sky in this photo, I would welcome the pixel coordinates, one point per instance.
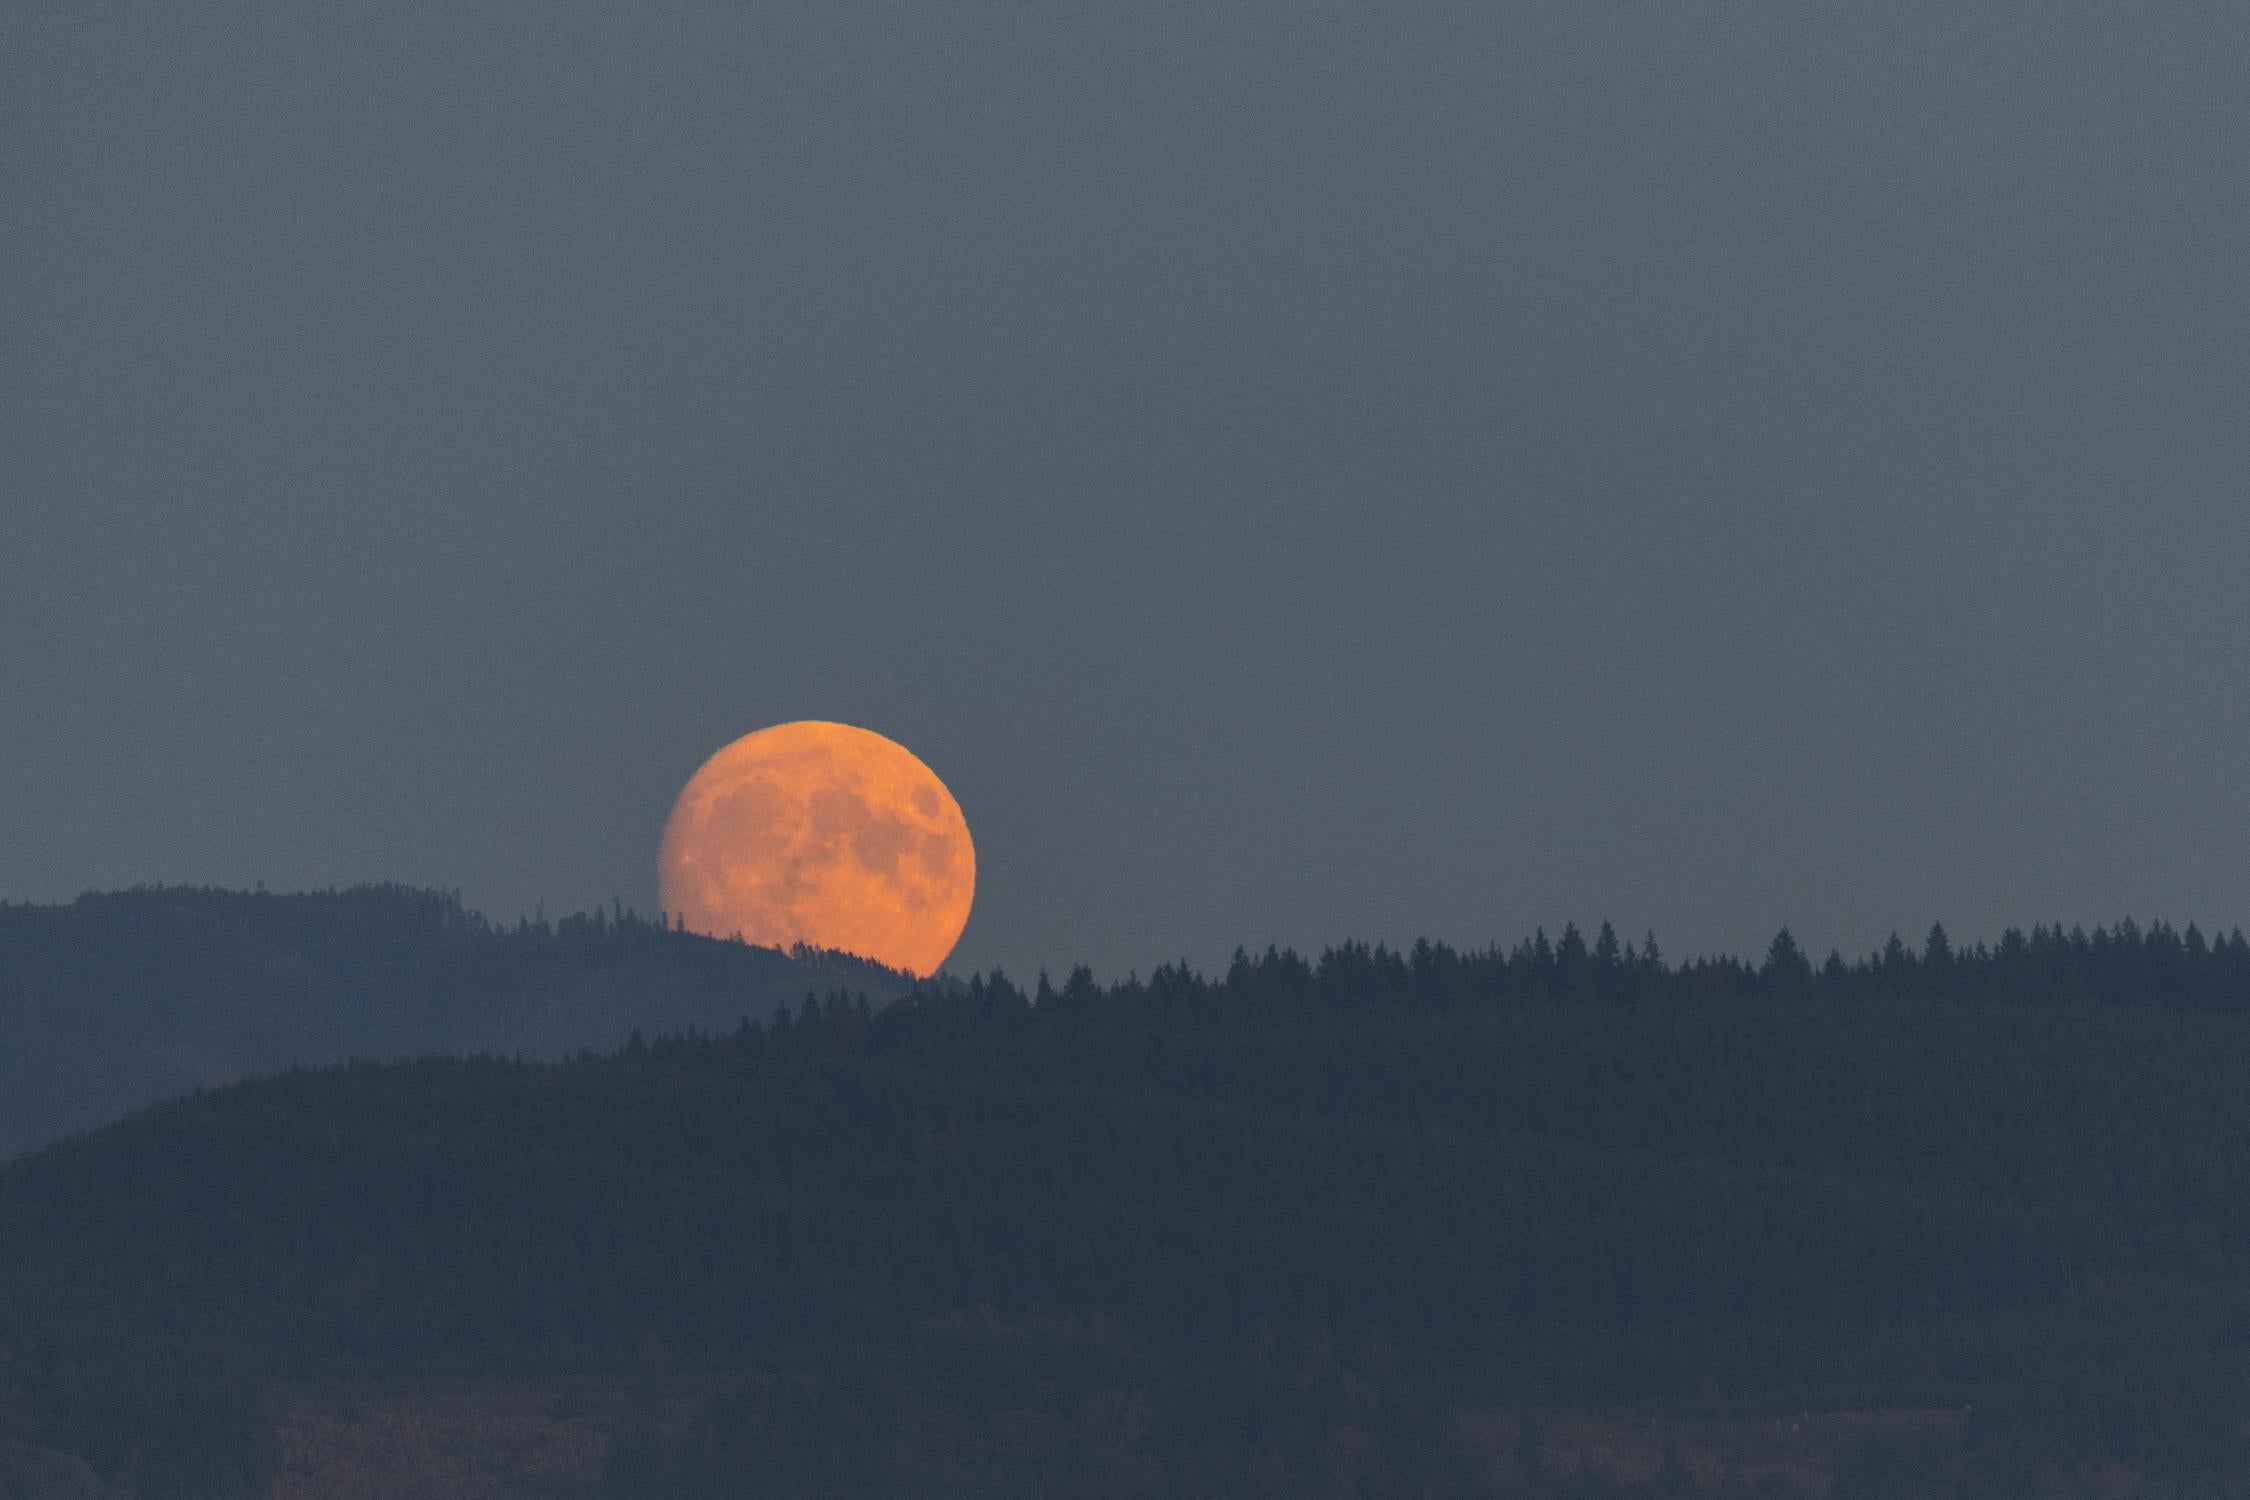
(1297, 470)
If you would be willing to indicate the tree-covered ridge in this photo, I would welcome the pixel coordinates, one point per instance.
(2120, 965)
(1568, 1176)
(117, 1000)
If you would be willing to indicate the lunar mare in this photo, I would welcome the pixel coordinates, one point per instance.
(826, 835)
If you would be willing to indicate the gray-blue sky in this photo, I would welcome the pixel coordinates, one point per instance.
(1297, 470)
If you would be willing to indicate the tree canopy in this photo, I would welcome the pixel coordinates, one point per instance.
(1230, 1226)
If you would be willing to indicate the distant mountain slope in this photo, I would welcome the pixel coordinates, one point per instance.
(1232, 1236)
(118, 1000)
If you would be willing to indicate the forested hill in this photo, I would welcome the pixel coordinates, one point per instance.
(1224, 1235)
(117, 1000)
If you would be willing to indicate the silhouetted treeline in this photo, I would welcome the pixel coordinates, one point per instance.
(1237, 1235)
(2120, 965)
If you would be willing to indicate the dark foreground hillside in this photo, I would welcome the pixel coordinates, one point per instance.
(118, 1000)
(1430, 1224)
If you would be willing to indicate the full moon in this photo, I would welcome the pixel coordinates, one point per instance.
(825, 835)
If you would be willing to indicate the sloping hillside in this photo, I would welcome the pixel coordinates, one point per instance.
(118, 1000)
(1238, 1232)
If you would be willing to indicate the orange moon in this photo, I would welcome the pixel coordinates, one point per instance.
(825, 835)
